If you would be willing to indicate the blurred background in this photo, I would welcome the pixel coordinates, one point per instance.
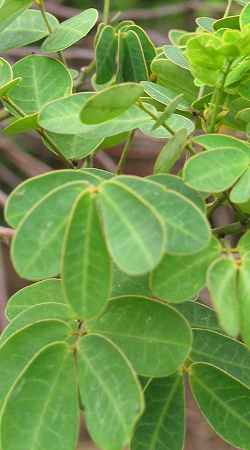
(26, 156)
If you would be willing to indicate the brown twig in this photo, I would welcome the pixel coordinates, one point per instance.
(105, 161)
(6, 235)
(141, 14)
(3, 198)
(28, 164)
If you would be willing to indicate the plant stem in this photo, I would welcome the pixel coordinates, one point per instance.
(167, 127)
(233, 228)
(6, 234)
(85, 73)
(41, 5)
(227, 11)
(106, 11)
(125, 152)
(217, 100)
(41, 132)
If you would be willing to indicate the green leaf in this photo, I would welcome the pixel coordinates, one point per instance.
(19, 350)
(131, 60)
(105, 52)
(223, 167)
(27, 28)
(241, 191)
(175, 183)
(148, 47)
(216, 141)
(176, 78)
(133, 229)
(6, 73)
(124, 284)
(70, 31)
(229, 22)
(64, 114)
(177, 279)
(221, 396)
(37, 245)
(86, 267)
(44, 311)
(222, 352)
(153, 336)
(171, 152)
(244, 297)
(30, 192)
(205, 23)
(222, 285)
(245, 16)
(244, 244)
(162, 426)
(176, 122)
(75, 146)
(168, 111)
(176, 55)
(5, 89)
(43, 80)
(46, 291)
(22, 125)
(110, 103)
(175, 35)
(187, 229)
(110, 392)
(48, 385)
(198, 315)
(162, 94)
(10, 9)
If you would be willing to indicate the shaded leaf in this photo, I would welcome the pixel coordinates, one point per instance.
(241, 191)
(222, 352)
(177, 279)
(162, 94)
(199, 315)
(216, 141)
(131, 60)
(110, 392)
(124, 284)
(153, 336)
(162, 426)
(106, 50)
(222, 285)
(176, 78)
(220, 396)
(171, 152)
(244, 297)
(148, 47)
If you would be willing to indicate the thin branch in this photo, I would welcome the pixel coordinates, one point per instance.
(28, 164)
(105, 161)
(3, 199)
(73, 53)
(6, 235)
